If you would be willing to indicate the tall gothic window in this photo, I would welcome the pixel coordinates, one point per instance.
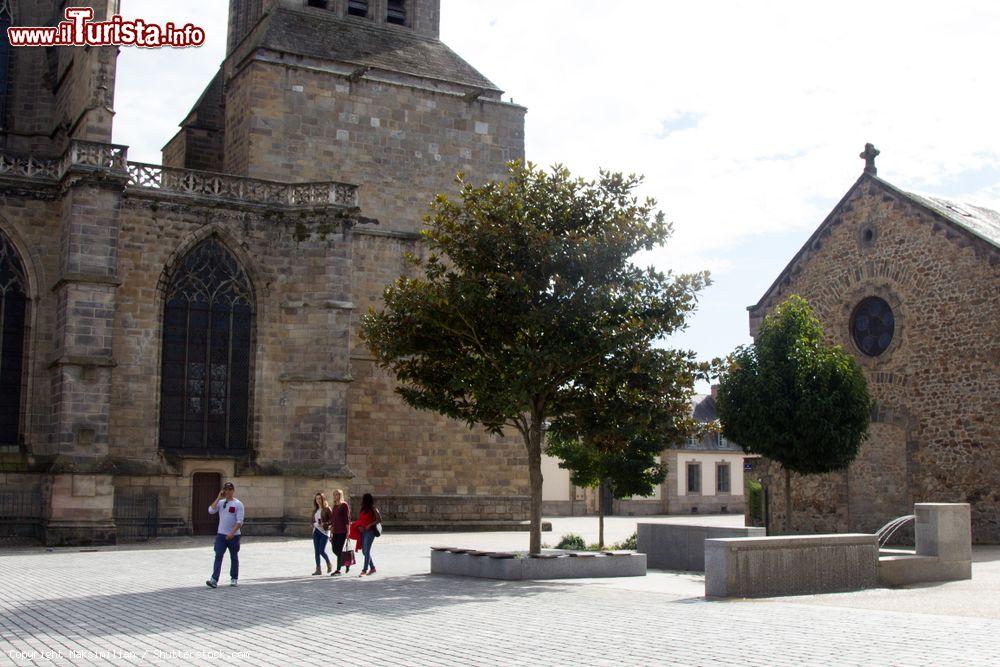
(6, 19)
(13, 312)
(208, 324)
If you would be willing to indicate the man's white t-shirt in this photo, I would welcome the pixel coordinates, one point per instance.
(230, 513)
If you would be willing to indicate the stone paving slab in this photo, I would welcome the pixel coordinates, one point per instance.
(150, 606)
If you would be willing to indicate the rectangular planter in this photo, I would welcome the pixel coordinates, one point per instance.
(558, 566)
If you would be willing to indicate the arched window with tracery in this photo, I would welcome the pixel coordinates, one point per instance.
(13, 324)
(208, 324)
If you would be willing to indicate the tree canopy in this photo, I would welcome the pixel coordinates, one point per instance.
(793, 398)
(522, 285)
(619, 416)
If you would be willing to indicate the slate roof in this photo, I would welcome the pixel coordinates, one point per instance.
(983, 222)
(357, 42)
(703, 408)
(980, 222)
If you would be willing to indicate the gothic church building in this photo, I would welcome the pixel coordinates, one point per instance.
(166, 327)
(909, 285)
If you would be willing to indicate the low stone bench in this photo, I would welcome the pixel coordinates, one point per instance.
(682, 547)
(549, 565)
(790, 565)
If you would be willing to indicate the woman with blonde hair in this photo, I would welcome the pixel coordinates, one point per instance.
(338, 529)
(322, 517)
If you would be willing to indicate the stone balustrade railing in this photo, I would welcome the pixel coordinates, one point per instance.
(95, 156)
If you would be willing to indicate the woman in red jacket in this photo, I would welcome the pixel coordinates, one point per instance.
(338, 528)
(367, 528)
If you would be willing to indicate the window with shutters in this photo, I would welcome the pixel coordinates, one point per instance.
(357, 7)
(396, 12)
(208, 325)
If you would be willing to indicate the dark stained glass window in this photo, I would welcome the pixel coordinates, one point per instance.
(208, 323)
(872, 326)
(13, 316)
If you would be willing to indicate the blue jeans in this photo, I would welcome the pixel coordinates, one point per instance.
(319, 546)
(367, 538)
(221, 546)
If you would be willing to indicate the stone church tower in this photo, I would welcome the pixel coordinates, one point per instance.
(168, 326)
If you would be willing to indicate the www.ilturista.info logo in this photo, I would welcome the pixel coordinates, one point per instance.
(79, 30)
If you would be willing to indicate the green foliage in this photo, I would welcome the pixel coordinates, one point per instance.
(573, 542)
(620, 414)
(521, 286)
(793, 398)
(628, 544)
(755, 500)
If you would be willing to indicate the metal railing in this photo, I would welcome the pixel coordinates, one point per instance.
(137, 516)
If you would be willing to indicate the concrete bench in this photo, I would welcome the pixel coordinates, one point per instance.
(682, 547)
(790, 565)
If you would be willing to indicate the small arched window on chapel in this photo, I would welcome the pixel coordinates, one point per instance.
(357, 7)
(396, 12)
(13, 320)
(208, 323)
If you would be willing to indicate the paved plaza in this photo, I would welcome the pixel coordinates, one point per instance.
(148, 605)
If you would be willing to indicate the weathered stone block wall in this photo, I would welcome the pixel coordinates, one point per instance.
(937, 390)
(396, 450)
(300, 271)
(402, 144)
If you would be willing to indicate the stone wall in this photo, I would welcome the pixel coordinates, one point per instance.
(935, 434)
(402, 144)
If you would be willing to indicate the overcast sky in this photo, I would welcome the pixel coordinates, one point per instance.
(745, 117)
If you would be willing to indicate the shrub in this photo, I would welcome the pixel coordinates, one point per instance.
(573, 542)
(755, 500)
(628, 544)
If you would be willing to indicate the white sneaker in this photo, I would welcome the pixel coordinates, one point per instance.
(211, 583)
(233, 582)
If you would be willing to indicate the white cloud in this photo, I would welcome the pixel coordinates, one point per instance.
(784, 95)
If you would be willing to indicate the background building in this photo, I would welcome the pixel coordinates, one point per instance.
(168, 326)
(703, 477)
(910, 285)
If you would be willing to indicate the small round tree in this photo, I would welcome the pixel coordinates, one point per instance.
(794, 399)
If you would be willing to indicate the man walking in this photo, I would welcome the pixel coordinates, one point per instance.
(230, 511)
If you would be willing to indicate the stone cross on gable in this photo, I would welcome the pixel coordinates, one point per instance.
(869, 155)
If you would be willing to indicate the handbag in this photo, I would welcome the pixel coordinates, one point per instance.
(348, 554)
(377, 528)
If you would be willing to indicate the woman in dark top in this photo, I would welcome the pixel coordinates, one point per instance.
(368, 518)
(338, 528)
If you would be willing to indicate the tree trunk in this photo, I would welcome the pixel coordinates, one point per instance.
(600, 516)
(788, 501)
(533, 441)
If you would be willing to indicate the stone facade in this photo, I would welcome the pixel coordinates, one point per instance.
(934, 433)
(332, 159)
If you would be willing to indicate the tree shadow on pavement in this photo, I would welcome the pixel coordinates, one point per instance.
(273, 601)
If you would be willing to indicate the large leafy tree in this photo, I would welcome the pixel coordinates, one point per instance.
(524, 284)
(619, 416)
(795, 399)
